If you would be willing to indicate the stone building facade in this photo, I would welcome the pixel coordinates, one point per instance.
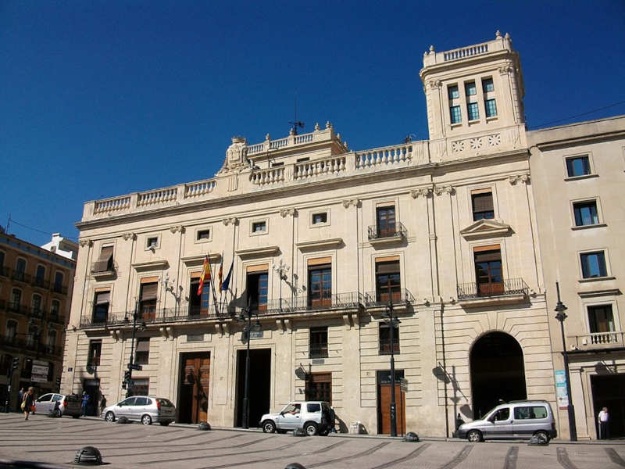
(328, 262)
(35, 292)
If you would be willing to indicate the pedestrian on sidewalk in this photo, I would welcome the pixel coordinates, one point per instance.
(604, 424)
(27, 402)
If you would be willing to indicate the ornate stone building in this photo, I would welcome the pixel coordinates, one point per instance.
(332, 262)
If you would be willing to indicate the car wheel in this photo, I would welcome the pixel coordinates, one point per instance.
(109, 417)
(269, 426)
(310, 428)
(474, 436)
(146, 420)
(542, 435)
(164, 424)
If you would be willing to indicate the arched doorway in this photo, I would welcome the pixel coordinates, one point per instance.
(497, 372)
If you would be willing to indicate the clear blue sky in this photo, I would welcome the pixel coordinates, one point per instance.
(100, 98)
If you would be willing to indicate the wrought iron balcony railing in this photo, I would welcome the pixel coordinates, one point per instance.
(400, 297)
(395, 231)
(508, 287)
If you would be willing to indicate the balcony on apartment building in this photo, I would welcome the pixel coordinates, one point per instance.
(31, 312)
(33, 281)
(599, 341)
(30, 344)
(506, 291)
(322, 305)
(387, 233)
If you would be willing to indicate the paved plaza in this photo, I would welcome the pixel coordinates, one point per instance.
(53, 443)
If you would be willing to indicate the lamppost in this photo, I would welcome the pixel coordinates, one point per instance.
(561, 316)
(392, 322)
(131, 363)
(246, 316)
(281, 269)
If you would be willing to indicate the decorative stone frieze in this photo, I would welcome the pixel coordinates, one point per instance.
(177, 229)
(230, 221)
(422, 192)
(127, 236)
(351, 202)
(441, 190)
(85, 242)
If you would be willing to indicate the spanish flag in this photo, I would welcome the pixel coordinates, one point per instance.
(205, 277)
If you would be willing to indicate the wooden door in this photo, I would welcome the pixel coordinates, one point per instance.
(195, 383)
(385, 409)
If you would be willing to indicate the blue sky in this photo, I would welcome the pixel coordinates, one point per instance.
(100, 98)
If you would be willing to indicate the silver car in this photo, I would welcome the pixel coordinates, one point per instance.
(144, 409)
(59, 404)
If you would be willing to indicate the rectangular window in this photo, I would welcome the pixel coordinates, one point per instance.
(318, 342)
(259, 227)
(95, 353)
(482, 204)
(577, 166)
(142, 352)
(141, 386)
(585, 213)
(319, 218)
(16, 300)
(319, 387)
(105, 260)
(58, 282)
(491, 107)
(452, 92)
(151, 242)
(593, 264)
(473, 112)
(470, 88)
(387, 281)
(385, 339)
(147, 301)
(40, 275)
(488, 85)
(319, 285)
(101, 307)
(199, 304)
(601, 319)
(203, 235)
(488, 272)
(386, 222)
(20, 270)
(455, 115)
(257, 288)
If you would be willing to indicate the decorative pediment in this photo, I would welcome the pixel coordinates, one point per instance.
(258, 252)
(486, 229)
(320, 245)
(191, 261)
(158, 264)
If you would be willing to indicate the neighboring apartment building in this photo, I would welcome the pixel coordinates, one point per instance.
(35, 293)
(578, 174)
(425, 249)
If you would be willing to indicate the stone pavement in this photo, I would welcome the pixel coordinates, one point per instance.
(53, 443)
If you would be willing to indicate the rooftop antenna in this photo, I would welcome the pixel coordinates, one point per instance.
(295, 124)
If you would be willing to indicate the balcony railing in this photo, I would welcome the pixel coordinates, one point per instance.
(599, 340)
(377, 232)
(401, 297)
(506, 288)
(35, 281)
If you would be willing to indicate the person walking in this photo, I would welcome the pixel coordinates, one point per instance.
(27, 402)
(20, 398)
(85, 403)
(604, 424)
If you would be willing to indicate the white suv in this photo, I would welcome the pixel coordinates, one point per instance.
(315, 417)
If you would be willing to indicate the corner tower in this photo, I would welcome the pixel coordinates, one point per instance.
(474, 92)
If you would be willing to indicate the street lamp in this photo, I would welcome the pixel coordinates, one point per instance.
(246, 316)
(561, 316)
(131, 362)
(392, 322)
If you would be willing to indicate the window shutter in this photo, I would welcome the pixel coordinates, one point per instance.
(148, 291)
(483, 202)
(106, 255)
(102, 297)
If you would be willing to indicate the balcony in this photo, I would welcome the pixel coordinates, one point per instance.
(509, 291)
(600, 341)
(402, 298)
(382, 235)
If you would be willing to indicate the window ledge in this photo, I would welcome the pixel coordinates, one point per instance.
(586, 227)
(595, 279)
(577, 178)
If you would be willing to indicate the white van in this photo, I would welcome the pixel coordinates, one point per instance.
(516, 419)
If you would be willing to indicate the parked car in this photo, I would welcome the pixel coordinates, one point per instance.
(59, 404)
(315, 417)
(144, 409)
(516, 419)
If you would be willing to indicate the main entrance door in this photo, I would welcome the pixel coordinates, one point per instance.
(193, 389)
(607, 391)
(259, 385)
(497, 372)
